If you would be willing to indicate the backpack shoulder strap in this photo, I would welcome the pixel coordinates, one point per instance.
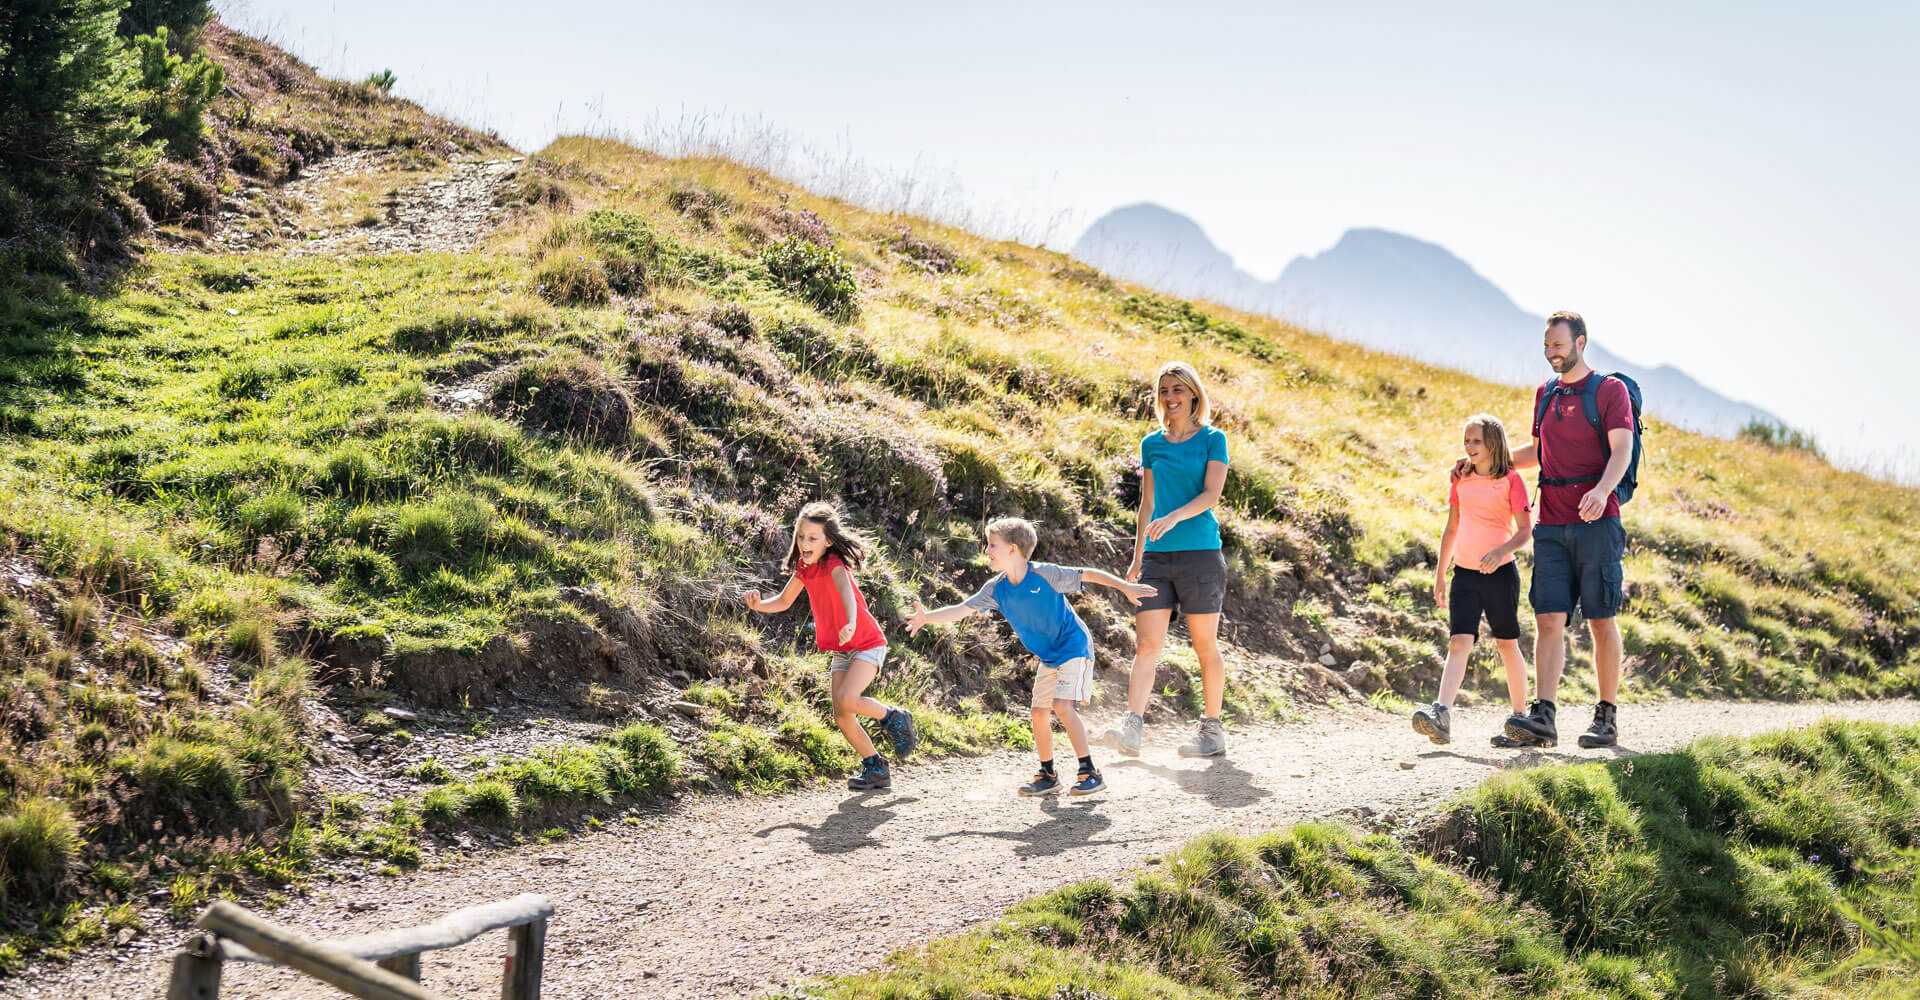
(1540, 405)
(1590, 402)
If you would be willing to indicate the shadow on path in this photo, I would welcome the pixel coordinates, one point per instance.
(1224, 784)
(1067, 826)
(850, 827)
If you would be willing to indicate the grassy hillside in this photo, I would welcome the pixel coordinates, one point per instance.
(1758, 868)
(249, 501)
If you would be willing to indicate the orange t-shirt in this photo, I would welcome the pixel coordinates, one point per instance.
(1487, 505)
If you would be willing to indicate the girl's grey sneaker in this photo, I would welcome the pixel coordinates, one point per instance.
(872, 777)
(1125, 735)
(1088, 784)
(1210, 741)
(1042, 784)
(899, 727)
(1435, 724)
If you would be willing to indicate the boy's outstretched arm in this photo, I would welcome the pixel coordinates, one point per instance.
(1134, 591)
(921, 617)
(780, 603)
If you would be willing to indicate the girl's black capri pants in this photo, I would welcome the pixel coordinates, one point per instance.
(1496, 595)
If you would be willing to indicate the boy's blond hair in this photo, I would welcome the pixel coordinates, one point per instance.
(1017, 530)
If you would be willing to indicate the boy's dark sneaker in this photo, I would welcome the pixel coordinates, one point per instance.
(1044, 783)
(1089, 783)
(1435, 724)
(900, 728)
(872, 777)
(1604, 732)
(1536, 727)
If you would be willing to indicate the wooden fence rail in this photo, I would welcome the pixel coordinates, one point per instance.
(383, 966)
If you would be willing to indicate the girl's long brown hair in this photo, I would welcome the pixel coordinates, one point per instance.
(840, 541)
(1493, 434)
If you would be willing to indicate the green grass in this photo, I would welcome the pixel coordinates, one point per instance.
(1734, 868)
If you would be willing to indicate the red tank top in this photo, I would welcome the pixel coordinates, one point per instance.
(829, 615)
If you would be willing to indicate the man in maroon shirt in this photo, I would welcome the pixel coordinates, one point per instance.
(1578, 542)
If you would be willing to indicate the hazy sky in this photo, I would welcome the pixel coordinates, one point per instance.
(1726, 188)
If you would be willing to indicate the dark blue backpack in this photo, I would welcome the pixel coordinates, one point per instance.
(1590, 402)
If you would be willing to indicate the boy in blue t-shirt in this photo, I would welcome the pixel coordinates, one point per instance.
(1032, 598)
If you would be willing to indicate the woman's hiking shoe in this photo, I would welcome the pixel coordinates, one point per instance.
(1435, 724)
(873, 777)
(1210, 741)
(1088, 784)
(1125, 734)
(899, 727)
(1604, 732)
(1044, 783)
(1536, 727)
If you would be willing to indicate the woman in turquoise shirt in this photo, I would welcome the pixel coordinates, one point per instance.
(1176, 550)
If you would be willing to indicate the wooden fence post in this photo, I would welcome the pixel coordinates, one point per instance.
(196, 970)
(526, 953)
(356, 976)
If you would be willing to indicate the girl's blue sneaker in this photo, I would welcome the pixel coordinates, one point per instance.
(899, 726)
(1044, 783)
(1088, 784)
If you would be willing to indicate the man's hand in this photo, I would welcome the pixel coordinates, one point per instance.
(846, 633)
(1492, 560)
(1160, 526)
(1462, 467)
(1135, 591)
(1440, 588)
(917, 620)
(1594, 504)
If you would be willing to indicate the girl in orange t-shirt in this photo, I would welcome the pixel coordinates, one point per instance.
(1489, 518)
(823, 558)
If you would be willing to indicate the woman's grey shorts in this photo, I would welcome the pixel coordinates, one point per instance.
(1192, 582)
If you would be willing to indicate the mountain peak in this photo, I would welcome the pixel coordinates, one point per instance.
(1386, 290)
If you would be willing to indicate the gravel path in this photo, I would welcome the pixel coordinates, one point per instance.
(724, 896)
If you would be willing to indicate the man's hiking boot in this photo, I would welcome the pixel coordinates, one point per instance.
(1604, 732)
(1125, 735)
(1210, 741)
(873, 776)
(1089, 783)
(1435, 724)
(899, 727)
(1043, 783)
(1501, 741)
(1535, 727)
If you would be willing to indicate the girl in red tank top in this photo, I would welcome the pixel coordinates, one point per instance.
(823, 557)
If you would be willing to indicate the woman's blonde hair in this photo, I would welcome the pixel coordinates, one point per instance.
(1493, 434)
(1202, 408)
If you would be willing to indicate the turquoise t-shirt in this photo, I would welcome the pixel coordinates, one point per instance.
(1179, 475)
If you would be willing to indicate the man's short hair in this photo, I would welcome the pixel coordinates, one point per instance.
(1574, 323)
(1017, 530)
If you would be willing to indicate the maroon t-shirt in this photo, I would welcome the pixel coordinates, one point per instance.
(1568, 446)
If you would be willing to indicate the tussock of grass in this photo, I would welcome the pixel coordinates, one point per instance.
(1726, 869)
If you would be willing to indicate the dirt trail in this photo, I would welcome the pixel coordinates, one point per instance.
(724, 896)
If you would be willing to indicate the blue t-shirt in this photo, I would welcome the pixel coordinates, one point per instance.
(1037, 609)
(1179, 475)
